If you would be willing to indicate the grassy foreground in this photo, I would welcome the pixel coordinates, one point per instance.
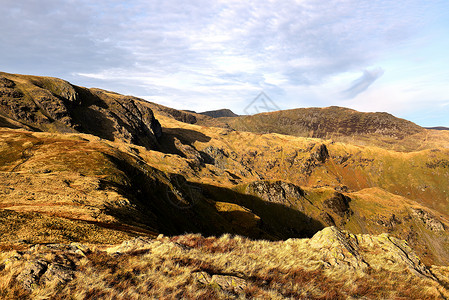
(333, 264)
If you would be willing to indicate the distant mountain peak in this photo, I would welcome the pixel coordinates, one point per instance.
(220, 113)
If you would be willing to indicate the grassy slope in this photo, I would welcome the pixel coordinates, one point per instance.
(328, 266)
(120, 186)
(380, 182)
(343, 125)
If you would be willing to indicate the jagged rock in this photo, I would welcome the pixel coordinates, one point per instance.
(278, 191)
(321, 154)
(339, 204)
(58, 272)
(327, 218)
(218, 156)
(428, 219)
(344, 250)
(318, 156)
(189, 152)
(400, 251)
(229, 283)
(52, 104)
(390, 223)
(202, 277)
(32, 273)
(341, 248)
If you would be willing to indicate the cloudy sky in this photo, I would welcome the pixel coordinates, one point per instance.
(370, 55)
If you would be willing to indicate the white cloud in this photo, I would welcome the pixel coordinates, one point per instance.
(222, 53)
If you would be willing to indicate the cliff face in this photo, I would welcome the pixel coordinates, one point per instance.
(51, 104)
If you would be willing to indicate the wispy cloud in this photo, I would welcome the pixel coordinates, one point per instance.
(211, 54)
(362, 83)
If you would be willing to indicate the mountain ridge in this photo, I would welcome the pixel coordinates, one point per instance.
(219, 113)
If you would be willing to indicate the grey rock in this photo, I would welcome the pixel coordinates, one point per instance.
(278, 191)
(60, 273)
(32, 273)
(429, 220)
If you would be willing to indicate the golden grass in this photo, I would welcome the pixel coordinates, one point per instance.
(167, 268)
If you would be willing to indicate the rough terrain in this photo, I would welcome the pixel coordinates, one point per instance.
(96, 168)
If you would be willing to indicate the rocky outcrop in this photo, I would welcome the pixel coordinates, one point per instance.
(277, 192)
(319, 155)
(339, 204)
(188, 151)
(51, 104)
(429, 220)
(342, 249)
(229, 267)
(227, 283)
(55, 268)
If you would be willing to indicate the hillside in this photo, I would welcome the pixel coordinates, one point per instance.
(339, 124)
(54, 105)
(95, 167)
(220, 113)
(333, 264)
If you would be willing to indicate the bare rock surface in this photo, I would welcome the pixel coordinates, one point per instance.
(51, 104)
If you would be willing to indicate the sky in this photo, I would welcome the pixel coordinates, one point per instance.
(369, 55)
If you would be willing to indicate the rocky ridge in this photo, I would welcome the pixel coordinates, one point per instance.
(51, 104)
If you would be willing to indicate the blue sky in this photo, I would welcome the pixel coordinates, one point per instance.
(201, 55)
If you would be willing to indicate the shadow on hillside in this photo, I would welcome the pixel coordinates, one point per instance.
(150, 193)
(90, 115)
(278, 220)
(186, 136)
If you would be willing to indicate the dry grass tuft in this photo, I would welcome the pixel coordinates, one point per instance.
(227, 267)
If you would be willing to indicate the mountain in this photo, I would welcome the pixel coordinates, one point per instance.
(82, 169)
(54, 105)
(438, 128)
(338, 124)
(220, 113)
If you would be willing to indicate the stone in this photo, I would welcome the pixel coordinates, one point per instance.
(429, 220)
(32, 273)
(277, 192)
(60, 273)
(339, 204)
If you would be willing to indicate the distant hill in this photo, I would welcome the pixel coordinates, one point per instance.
(326, 122)
(337, 123)
(438, 128)
(220, 113)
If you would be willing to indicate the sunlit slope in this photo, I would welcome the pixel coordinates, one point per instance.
(113, 166)
(343, 125)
